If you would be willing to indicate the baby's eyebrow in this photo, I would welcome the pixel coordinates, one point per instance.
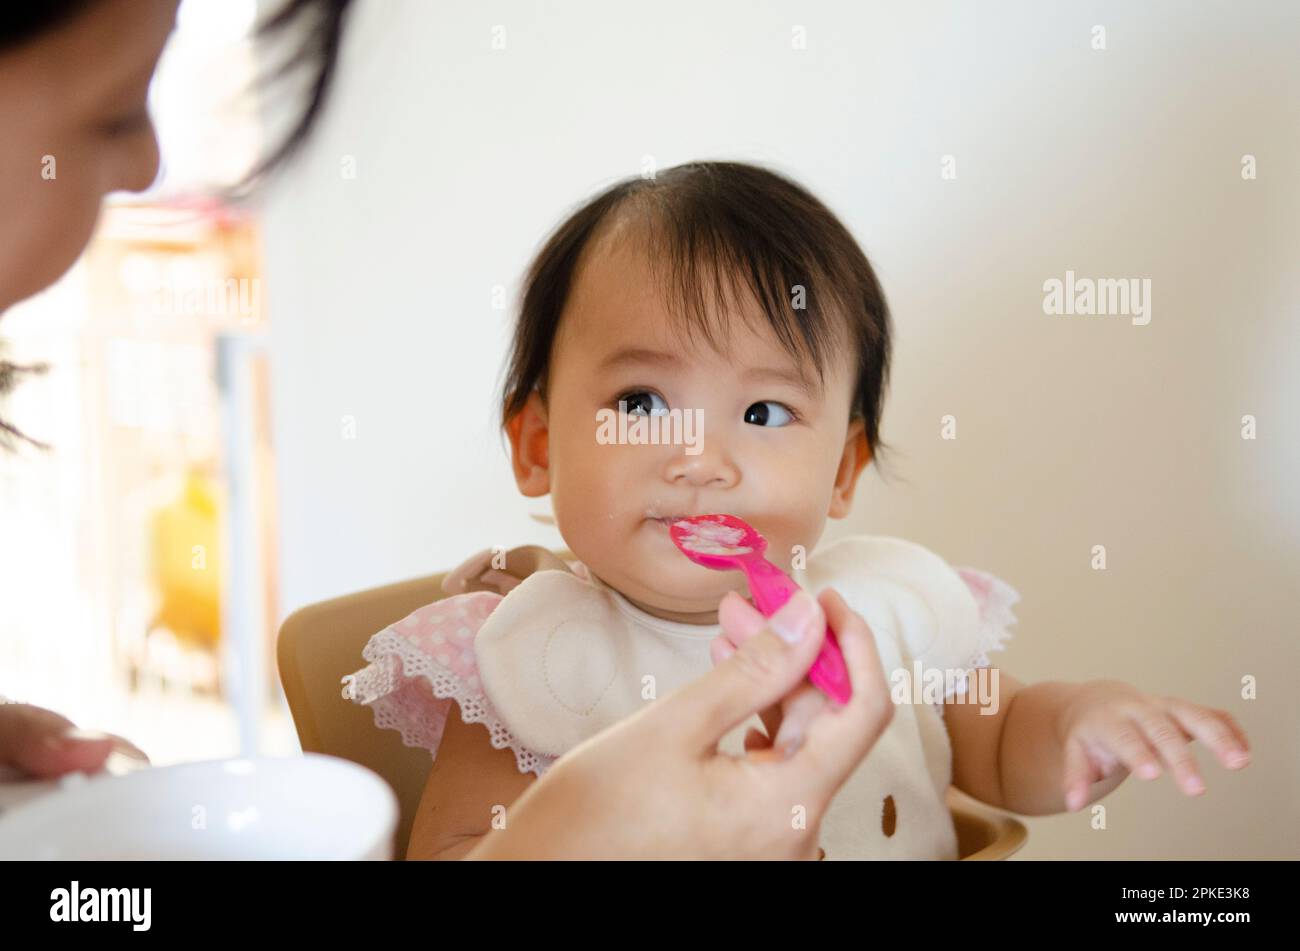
(636, 355)
(641, 355)
(783, 375)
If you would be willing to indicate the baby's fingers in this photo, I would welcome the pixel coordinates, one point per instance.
(1215, 728)
(1125, 739)
(460, 579)
(1080, 774)
(1171, 740)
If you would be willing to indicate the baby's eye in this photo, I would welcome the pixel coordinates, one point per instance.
(638, 400)
(760, 415)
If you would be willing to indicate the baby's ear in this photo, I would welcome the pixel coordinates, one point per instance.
(856, 455)
(530, 447)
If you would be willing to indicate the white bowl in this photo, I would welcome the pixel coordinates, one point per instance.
(301, 807)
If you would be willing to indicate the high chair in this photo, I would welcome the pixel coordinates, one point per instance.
(320, 643)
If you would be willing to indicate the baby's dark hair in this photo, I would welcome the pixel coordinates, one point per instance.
(714, 228)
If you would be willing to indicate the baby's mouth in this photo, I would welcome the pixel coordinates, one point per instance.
(654, 513)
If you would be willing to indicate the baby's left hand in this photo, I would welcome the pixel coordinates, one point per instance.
(1108, 725)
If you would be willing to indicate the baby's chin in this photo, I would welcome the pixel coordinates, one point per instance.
(649, 570)
(685, 589)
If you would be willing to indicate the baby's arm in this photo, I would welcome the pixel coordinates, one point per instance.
(467, 780)
(1013, 763)
(1049, 738)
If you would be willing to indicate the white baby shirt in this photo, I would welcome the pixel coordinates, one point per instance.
(562, 656)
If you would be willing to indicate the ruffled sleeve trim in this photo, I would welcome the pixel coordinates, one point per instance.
(995, 599)
(419, 665)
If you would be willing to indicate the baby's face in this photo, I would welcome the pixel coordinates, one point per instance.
(780, 456)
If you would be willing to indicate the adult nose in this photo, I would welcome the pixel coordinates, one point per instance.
(140, 166)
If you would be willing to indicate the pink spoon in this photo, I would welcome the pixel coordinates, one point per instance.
(727, 543)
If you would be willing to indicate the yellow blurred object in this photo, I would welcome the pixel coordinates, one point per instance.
(187, 563)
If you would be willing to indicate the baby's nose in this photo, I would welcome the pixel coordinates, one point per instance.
(707, 469)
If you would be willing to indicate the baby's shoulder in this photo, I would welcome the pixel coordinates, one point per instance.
(876, 546)
(884, 558)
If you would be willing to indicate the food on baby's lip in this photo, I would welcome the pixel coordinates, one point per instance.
(712, 538)
(715, 541)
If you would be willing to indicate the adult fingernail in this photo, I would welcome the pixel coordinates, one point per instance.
(126, 748)
(71, 737)
(794, 621)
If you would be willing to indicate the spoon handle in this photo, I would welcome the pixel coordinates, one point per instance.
(771, 588)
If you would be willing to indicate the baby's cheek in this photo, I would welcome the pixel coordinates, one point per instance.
(790, 507)
(591, 498)
(794, 535)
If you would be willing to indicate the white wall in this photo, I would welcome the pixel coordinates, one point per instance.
(1072, 431)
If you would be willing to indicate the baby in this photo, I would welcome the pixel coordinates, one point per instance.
(728, 292)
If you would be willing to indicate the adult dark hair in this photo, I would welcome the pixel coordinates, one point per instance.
(20, 22)
(319, 24)
(714, 228)
(316, 28)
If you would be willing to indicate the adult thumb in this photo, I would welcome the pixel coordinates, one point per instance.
(763, 670)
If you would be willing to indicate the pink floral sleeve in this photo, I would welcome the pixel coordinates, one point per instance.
(420, 664)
